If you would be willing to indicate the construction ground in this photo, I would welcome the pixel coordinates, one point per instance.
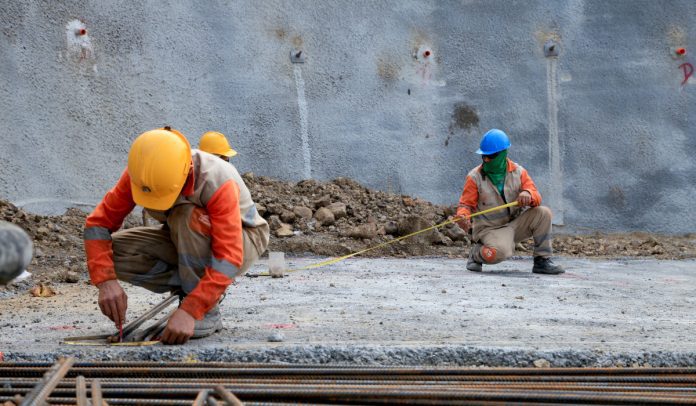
(625, 299)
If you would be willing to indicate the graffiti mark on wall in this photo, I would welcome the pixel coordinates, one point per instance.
(688, 70)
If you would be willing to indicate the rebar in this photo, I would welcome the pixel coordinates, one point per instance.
(51, 377)
(170, 383)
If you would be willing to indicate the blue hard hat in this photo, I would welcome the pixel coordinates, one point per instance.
(493, 141)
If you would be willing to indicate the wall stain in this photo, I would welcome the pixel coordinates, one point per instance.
(464, 117)
(387, 70)
(616, 197)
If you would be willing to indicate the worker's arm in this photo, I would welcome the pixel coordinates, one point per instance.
(468, 202)
(532, 197)
(227, 246)
(106, 218)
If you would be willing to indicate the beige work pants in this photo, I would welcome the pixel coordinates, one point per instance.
(171, 256)
(499, 242)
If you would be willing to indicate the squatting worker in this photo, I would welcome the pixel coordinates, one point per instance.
(497, 181)
(216, 143)
(210, 233)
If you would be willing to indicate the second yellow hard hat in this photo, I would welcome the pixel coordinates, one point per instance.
(214, 142)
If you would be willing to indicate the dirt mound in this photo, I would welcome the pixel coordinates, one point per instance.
(58, 247)
(334, 218)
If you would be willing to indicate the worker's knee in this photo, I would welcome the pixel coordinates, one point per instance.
(493, 255)
(543, 212)
(187, 218)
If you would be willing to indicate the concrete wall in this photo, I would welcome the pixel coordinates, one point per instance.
(606, 129)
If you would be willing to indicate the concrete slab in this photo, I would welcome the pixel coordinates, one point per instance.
(406, 311)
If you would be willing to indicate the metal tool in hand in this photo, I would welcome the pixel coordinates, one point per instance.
(130, 334)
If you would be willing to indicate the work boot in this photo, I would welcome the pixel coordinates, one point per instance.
(546, 266)
(472, 264)
(210, 324)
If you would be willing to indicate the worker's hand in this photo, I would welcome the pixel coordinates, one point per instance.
(524, 199)
(113, 301)
(179, 328)
(464, 222)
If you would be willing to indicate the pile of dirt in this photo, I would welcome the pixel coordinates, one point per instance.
(342, 216)
(58, 246)
(335, 218)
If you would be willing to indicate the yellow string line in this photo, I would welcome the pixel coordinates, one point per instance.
(403, 237)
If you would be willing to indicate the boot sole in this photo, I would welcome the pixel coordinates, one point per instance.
(548, 272)
(207, 332)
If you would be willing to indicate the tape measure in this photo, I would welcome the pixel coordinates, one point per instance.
(103, 343)
(384, 244)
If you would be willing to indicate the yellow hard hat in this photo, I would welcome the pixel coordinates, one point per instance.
(214, 142)
(159, 162)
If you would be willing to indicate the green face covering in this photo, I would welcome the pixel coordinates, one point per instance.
(496, 168)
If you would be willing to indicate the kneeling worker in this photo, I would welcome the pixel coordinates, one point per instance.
(497, 181)
(211, 233)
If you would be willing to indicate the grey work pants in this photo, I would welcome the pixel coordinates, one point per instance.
(499, 242)
(171, 256)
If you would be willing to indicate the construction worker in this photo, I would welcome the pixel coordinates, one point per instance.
(211, 233)
(216, 143)
(16, 251)
(497, 181)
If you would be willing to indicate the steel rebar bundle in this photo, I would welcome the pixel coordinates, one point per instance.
(171, 383)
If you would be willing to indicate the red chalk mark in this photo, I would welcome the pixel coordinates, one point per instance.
(688, 71)
(681, 51)
(282, 325)
(426, 54)
(574, 276)
(55, 328)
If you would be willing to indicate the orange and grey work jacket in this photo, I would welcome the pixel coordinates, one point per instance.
(212, 184)
(480, 194)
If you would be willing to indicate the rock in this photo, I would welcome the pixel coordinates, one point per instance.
(542, 363)
(368, 231)
(322, 201)
(261, 209)
(285, 230)
(324, 216)
(409, 202)
(276, 337)
(287, 216)
(455, 233)
(275, 208)
(303, 212)
(411, 224)
(71, 277)
(338, 209)
(274, 222)
(391, 228)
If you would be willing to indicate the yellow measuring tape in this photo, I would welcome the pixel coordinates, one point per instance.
(384, 244)
(102, 344)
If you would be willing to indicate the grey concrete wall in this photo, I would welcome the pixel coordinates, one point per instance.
(606, 129)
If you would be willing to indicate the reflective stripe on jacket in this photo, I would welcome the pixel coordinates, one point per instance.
(480, 194)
